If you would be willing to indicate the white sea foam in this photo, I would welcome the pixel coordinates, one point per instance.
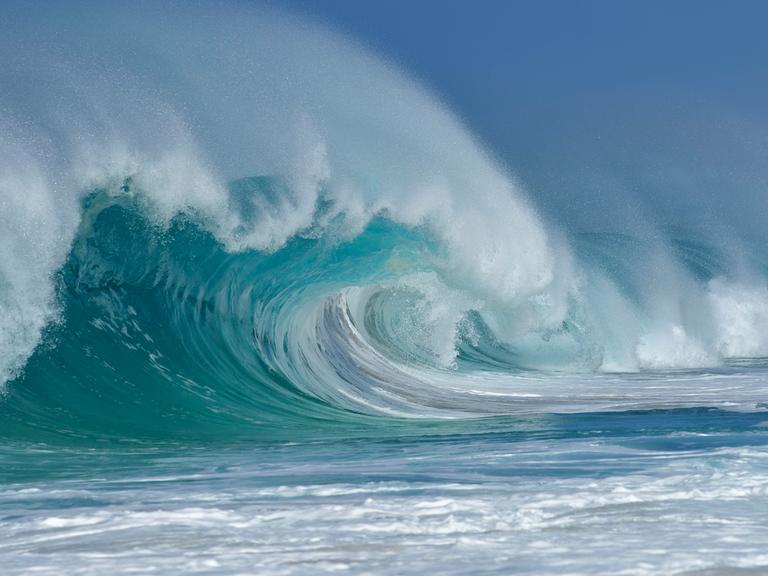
(741, 315)
(458, 507)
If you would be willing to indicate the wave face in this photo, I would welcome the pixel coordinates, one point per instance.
(272, 232)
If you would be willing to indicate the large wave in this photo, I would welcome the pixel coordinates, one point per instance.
(250, 218)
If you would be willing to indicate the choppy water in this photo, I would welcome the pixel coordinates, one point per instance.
(673, 492)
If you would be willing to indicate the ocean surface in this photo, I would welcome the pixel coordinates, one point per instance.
(250, 324)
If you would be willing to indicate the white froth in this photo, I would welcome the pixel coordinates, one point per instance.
(458, 507)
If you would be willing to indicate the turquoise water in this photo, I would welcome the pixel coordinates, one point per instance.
(268, 307)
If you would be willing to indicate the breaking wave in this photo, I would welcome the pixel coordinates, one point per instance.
(268, 227)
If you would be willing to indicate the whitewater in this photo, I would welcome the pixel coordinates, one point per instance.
(267, 306)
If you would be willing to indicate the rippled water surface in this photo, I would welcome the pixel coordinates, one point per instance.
(673, 492)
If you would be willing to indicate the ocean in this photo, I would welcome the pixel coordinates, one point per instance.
(268, 307)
